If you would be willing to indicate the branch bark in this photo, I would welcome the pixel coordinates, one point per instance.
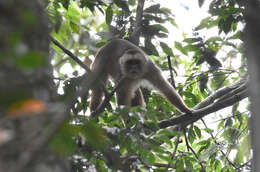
(252, 44)
(134, 37)
(236, 92)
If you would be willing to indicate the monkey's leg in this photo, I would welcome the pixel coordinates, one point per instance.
(138, 99)
(124, 92)
(97, 93)
(96, 98)
(123, 96)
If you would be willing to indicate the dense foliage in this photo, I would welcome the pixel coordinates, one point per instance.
(220, 142)
(207, 67)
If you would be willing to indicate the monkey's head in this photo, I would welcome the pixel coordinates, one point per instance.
(133, 64)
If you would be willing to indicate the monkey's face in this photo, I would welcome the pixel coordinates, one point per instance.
(132, 64)
(133, 68)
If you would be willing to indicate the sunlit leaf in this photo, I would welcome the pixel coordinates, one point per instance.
(109, 14)
(166, 49)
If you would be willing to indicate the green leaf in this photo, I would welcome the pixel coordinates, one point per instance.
(148, 157)
(73, 14)
(161, 28)
(63, 143)
(74, 27)
(231, 134)
(166, 49)
(207, 23)
(151, 158)
(228, 123)
(197, 131)
(122, 4)
(65, 3)
(109, 15)
(192, 40)
(31, 60)
(208, 130)
(166, 140)
(149, 48)
(95, 135)
(191, 135)
(180, 47)
(214, 39)
(152, 9)
(226, 23)
(188, 164)
(218, 79)
(217, 165)
(166, 132)
(209, 151)
(179, 165)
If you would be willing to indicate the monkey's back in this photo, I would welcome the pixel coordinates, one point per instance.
(107, 58)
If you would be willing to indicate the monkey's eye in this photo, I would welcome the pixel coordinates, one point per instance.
(133, 62)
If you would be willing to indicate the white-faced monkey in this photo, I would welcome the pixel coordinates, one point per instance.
(122, 59)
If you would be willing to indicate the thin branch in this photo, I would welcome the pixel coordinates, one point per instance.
(70, 54)
(189, 148)
(170, 68)
(61, 61)
(177, 139)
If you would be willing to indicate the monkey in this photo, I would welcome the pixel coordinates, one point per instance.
(129, 66)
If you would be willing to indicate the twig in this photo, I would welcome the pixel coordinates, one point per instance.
(61, 61)
(189, 148)
(71, 55)
(174, 151)
(170, 68)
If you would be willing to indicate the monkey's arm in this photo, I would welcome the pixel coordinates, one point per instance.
(157, 80)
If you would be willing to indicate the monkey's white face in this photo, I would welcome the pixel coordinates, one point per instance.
(132, 64)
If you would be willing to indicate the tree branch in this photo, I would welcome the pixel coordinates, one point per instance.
(70, 54)
(134, 37)
(222, 91)
(171, 69)
(209, 106)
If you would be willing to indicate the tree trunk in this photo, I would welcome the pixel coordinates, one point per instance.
(25, 76)
(252, 45)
